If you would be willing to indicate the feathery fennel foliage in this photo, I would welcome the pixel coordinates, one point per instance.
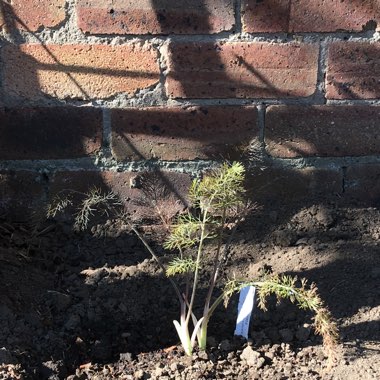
(92, 201)
(181, 266)
(214, 199)
(305, 296)
(218, 204)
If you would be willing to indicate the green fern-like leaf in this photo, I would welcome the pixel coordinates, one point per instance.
(186, 232)
(221, 189)
(305, 296)
(181, 266)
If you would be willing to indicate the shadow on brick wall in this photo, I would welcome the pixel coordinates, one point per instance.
(44, 133)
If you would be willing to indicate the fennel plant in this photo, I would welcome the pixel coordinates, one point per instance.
(217, 205)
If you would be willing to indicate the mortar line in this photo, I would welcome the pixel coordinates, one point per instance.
(238, 17)
(261, 110)
(107, 130)
(322, 67)
(85, 164)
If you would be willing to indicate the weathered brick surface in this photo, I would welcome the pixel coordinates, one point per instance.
(31, 15)
(21, 193)
(362, 183)
(140, 193)
(182, 134)
(78, 71)
(268, 16)
(155, 17)
(243, 70)
(301, 131)
(279, 186)
(353, 70)
(49, 133)
(309, 16)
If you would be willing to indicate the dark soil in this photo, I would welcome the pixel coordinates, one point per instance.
(95, 306)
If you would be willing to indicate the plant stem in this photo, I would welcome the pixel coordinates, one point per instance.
(215, 271)
(148, 247)
(195, 283)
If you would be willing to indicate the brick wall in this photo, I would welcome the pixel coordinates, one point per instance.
(96, 92)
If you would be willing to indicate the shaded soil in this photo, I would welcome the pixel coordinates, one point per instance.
(95, 306)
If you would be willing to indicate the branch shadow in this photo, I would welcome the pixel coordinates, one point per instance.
(113, 308)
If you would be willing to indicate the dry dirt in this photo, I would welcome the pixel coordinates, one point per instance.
(95, 306)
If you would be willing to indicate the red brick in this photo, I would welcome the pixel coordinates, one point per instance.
(78, 71)
(280, 186)
(31, 15)
(353, 70)
(242, 70)
(309, 16)
(155, 17)
(267, 16)
(362, 183)
(296, 131)
(49, 133)
(21, 193)
(136, 191)
(182, 134)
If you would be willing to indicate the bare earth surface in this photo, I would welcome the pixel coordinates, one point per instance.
(95, 306)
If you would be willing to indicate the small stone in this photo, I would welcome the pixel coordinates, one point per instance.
(203, 355)
(126, 356)
(174, 367)
(139, 374)
(252, 358)
(303, 332)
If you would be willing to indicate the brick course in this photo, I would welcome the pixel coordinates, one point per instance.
(31, 15)
(182, 134)
(176, 81)
(326, 131)
(49, 133)
(169, 190)
(21, 193)
(353, 70)
(242, 70)
(78, 71)
(309, 16)
(155, 17)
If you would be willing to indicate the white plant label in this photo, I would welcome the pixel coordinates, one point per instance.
(245, 307)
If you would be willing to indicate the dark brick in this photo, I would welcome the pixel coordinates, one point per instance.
(242, 70)
(309, 16)
(144, 195)
(301, 131)
(362, 183)
(353, 70)
(155, 17)
(182, 134)
(21, 194)
(49, 133)
(280, 185)
(268, 16)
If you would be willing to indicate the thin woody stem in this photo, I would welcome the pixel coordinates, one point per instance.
(148, 247)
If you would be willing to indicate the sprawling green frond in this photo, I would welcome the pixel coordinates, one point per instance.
(181, 266)
(304, 295)
(221, 189)
(186, 232)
